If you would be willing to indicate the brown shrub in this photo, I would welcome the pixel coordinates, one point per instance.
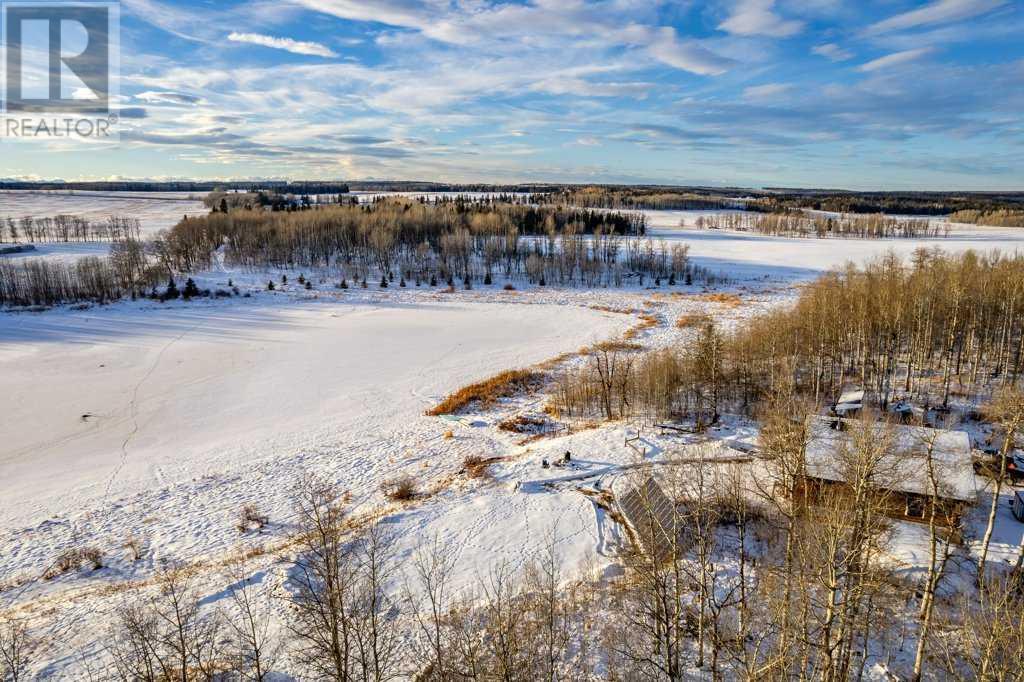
(475, 466)
(730, 300)
(509, 287)
(134, 546)
(401, 489)
(692, 320)
(612, 347)
(522, 424)
(72, 560)
(487, 392)
(449, 434)
(250, 518)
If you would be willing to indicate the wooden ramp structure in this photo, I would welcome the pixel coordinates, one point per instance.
(651, 517)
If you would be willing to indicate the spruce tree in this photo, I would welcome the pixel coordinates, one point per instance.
(487, 279)
(383, 282)
(191, 289)
(172, 290)
(270, 285)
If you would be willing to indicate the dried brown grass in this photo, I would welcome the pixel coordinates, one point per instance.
(489, 391)
(692, 320)
(611, 347)
(475, 466)
(729, 300)
(647, 321)
(401, 489)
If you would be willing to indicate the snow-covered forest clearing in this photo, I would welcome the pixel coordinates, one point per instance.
(395, 443)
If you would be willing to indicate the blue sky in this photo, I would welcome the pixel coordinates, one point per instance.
(889, 94)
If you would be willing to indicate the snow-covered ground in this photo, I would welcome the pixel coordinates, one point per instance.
(156, 210)
(159, 421)
(746, 254)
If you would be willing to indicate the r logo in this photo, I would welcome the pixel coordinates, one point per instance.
(59, 57)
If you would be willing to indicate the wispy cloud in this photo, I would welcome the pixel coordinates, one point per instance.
(168, 98)
(666, 47)
(756, 18)
(295, 46)
(832, 52)
(939, 12)
(895, 59)
(766, 91)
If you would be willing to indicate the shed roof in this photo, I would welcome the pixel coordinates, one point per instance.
(904, 464)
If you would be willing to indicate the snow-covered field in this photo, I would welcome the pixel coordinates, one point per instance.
(156, 210)
(159, 421)
(745, 254)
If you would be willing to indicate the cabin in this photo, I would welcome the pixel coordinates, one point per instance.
(902, 477)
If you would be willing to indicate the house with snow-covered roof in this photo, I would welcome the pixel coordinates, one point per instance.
(902, 476)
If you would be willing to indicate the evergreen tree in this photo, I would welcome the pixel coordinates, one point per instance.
(270, 285)
(542, 282)
(172, 290)
(402, 283)
(383, 282)
(191, 289)
(487, 279)
(344, 284)
(433, 280)
(309, 285)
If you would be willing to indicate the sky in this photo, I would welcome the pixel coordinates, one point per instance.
(882, 94)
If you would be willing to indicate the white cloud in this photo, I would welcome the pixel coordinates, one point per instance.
(894, 59)
(766, 91)
(939, 12)
(689, 56)
(832, 52)
(295, 46)
(755, 17)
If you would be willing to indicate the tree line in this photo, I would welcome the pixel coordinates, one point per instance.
(937, 329)
(637, 198)
(69, 228)
(442, 240)
(995, 218)
(799, 224)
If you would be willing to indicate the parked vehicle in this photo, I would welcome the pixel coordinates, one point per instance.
(990, 464)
